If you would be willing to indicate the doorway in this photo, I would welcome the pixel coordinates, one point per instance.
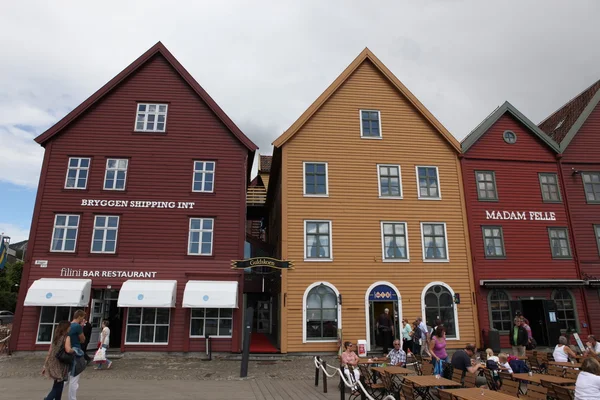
(379, 296)
(533, 310)
(104, 307)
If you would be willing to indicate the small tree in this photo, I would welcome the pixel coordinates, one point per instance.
(10, 279)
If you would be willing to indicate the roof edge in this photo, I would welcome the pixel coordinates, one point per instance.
(589, 108)
(488, 122)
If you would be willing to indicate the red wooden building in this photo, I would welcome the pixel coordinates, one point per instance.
(576, 127)
(140, 209)
(521, 238)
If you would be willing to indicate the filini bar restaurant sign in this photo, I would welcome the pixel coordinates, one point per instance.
(521, 215)
(137, 203)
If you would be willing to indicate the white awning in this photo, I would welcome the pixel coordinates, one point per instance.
(146, 293)
(59, 293)
(210, 294)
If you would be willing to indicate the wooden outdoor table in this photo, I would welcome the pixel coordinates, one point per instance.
(394, 370)
(425, 382)
(565, 364)
(369, 361)
(477, 393)
(537, 378)
(569, 387)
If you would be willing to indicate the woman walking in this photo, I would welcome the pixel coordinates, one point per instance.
(437, 345)
(53, 368)
(406, 336)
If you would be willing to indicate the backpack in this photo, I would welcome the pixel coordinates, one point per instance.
(417, 333)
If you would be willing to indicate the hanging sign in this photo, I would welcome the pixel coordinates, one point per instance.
(521, 215)
(383, 293)
(262, 262)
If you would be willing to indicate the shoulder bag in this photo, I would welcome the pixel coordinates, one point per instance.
(63, 356)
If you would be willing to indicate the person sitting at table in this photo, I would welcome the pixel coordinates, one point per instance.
(397, 356)
(562, 352)
(349, 358)
(593, 346)
(461, 359)
(587, 386)
(503, 363)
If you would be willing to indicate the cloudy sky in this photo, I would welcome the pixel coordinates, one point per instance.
(264, 62)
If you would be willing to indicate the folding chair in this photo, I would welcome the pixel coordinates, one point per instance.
(375, 390)
(389, 385)
(510, 387)
(550, 387)
(445, 395)
(426, 369)
(534, 364)
(489, 378)
(469, 380)
(562, 393)
(556, 371)
(408, 391)
(571, 373)
(535, 392)
(457, 375)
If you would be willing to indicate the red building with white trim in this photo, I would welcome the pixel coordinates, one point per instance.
(140, 209)
(521, 238)
(576, 127)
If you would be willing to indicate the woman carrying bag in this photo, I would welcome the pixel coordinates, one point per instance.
(53, 367)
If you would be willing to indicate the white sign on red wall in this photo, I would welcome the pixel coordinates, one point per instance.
(85, 273)
(521, 215)
(137, 203)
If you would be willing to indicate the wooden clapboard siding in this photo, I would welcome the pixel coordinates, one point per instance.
(332, 135)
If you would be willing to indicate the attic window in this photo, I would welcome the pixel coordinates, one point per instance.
(562, 121)
(510, 137)
(151, 117)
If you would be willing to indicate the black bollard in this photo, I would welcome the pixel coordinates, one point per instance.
(317, 372)
(247, 332)
(324, 377)
(342, 388)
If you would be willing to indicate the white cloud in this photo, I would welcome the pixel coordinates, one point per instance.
(17, 233)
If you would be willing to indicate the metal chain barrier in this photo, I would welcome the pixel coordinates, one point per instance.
(337, 371)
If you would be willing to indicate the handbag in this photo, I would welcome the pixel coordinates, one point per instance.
(64, 357)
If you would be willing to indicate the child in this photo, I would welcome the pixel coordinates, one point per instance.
(104, 341)
(503, 363)
(490, 355)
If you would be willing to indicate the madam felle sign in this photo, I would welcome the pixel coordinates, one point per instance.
(521, 215)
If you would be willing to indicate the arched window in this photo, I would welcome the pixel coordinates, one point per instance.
(321, 312)
(500, 316)
(439, 303)
(565, 309)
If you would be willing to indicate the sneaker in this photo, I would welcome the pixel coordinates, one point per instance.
(109, 365)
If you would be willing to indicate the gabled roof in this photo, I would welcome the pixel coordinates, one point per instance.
(158, 48)
(365, 55)
(487, 123)
(564, 123)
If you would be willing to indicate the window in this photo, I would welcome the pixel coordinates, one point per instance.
(434, 241)
(591, 185)
(493, 242)
(559, 243)
(549, 185)
(216, 322)
(597, 232)
(439, 304)
(315, 179)
(486, 185)
(321, 307)
(64, 237)
(395, 243)
(201, 236)
(105, 234)
(77, 173)
(390, 181)
(116, 174)
(500, 316)
(370, 124)
(429, 184)
(49, 319)
(565, 310)
(151, 117)
(148, 325)
(510, 137)
(204, 176)
(317, 240)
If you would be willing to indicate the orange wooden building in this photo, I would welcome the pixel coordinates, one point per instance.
(367, 200)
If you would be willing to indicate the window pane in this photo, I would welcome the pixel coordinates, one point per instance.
(134, 316)
(147, 334)
(225, 327)
(162, 316)
(211, 326)
(197, 327)
(45, 333)
(133, 334)
(162, 334)
(226, 312)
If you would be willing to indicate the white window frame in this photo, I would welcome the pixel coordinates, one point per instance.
(437, 175)
(399, 181)
(116, 170)
(383, 257)
(201, 230)
(447, 259)
(369, 321)
(153, 343)
(326, 194)
(54, 323)
(65, 227)
(204, 325)
(423, 314)
(361, 125)
(78, 168)
(339, 311)
(146, 113)
(204, 171)
(105, 228)
(330, 258)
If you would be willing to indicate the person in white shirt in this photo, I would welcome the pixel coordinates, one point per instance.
(104, 342)
(562, 352)
(503, 363)
(490, 356)
(587, 386)
(593, 346)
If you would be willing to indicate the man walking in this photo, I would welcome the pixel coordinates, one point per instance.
(77, 338)
(87, 332)
(425, 336)
(385, 326)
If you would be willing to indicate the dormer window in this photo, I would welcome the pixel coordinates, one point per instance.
(151, 117)
(370, 124)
